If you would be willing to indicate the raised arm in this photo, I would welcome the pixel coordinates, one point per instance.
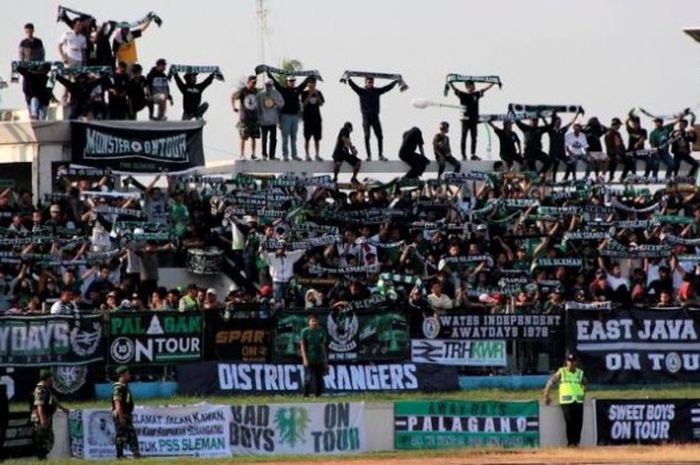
(179, 82)
(387, 88)
(354, 86)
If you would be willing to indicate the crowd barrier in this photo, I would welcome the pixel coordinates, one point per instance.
(382, 349)
(336, 427)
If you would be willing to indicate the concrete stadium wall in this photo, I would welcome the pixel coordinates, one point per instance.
(379, 421)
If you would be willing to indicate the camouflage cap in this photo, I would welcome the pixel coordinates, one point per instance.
(45, 373)
(121, 369)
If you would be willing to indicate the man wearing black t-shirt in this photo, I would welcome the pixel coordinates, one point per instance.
(532, 133)
(470, 118)
(192, 106)
(682, 141)
(31, 48)
(345, 151)
(509, 144)
(369, 107)
(412, 142)
(118, 106)
(311, 101)
(248, 123)
(158, 90)
(289, 114)
(136, 91)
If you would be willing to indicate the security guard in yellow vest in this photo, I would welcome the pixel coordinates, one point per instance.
(572, 392)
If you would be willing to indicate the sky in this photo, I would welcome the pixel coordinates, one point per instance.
(608, 56)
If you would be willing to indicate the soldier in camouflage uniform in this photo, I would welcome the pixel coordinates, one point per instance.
(44, 405)
(122, 407)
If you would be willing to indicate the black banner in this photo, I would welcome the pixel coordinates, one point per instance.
(241, 339)
(18, 437)
(358, 335)
(473, 326)
(212, 378)
(155, 338)
(130, 147)
(40, 341)
(636, 346)
(69, 382)
(647, 421)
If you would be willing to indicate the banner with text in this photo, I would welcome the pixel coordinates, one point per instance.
(19, 437)
(200, 430)
(318, 428)
(213, 378)
(636, 346)
(356, 335)
(138, 147)
(243, 339)
(647, 421)
(461, 353)
(39, 341)
(461, 325)
(452, 424)
(155, 338)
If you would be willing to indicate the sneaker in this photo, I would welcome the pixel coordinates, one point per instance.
(307, 158)
(464, 158)
(285, 157)
(264, 156)
(295, 158)
(354, 180)
(253, 156)
(369, 157)
(475, 158)
(317, 158)
(241, 157)
(383, 158)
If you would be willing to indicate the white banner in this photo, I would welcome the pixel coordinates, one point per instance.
(200, 430)
(318, 428)
(475, 353)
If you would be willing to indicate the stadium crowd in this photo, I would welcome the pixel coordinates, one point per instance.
(501, 239)
(522, 241)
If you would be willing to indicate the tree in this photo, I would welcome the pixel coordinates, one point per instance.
(288, 64)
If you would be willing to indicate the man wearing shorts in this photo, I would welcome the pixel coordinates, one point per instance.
(311, 100)
(345, 152)
(247, 109)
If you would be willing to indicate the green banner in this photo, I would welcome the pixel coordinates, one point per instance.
(355, 335)
(155, 338)
(452, 424)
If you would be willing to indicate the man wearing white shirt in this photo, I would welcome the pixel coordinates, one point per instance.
(576, 149)
(64, 305)
(72, 46)
(439, 301)
(281, 265)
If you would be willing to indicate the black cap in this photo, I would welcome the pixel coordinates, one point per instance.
(570, 358)
(615, 121)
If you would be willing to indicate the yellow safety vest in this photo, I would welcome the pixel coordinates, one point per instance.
(570, 386)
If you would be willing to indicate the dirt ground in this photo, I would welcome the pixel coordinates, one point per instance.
(598, 455)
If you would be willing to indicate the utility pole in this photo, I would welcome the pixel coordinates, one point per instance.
(262, 29)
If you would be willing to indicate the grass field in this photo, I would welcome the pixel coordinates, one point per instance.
(682, 392)
(637, 455)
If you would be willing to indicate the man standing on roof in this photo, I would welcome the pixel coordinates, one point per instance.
(369, 106)
(470, 118)
(124, 43)
(289, 114)
(192, 106)
(247, 109)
